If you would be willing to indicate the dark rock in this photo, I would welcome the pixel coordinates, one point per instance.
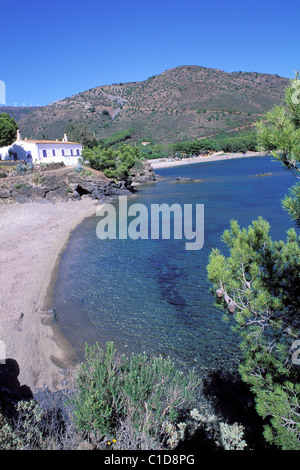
(145, 174)
(182, 179)
(61, 184)
(261, 174)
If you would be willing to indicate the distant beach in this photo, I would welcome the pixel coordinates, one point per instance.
(165, 163)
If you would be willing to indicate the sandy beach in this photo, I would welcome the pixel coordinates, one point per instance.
(33, 236)
(164, 163)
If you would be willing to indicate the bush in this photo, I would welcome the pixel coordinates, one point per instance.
(142, 393)
(21, 169)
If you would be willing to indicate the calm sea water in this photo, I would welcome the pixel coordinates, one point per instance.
(153, 295)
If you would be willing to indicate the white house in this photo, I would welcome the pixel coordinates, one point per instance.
(38, 151)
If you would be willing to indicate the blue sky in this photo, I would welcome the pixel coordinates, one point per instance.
(51, 50)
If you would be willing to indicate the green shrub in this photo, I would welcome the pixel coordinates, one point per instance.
(111, 389)
(25, 431)
(21, 169)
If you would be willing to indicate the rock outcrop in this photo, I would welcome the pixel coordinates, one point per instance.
(143, 174)
(60, 184)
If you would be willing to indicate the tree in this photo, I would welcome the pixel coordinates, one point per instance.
(279, 133)
(8, 129)
(115, 164)
(258, 283)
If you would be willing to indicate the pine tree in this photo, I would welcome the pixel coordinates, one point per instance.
(258, 284)
(279, 133)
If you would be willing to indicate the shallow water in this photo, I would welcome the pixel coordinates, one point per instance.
(153, 295)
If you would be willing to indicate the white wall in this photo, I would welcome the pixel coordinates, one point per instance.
(59, 148)
(68, 161)
(23, 149)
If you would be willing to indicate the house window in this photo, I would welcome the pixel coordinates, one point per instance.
(44, 153)
(78, 152)
(53, 153)
(63, 152)
(71, 151)
(29, 154)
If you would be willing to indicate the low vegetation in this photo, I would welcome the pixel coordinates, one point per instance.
(118, 402)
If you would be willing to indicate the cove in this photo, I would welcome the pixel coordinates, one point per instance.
(152, 295)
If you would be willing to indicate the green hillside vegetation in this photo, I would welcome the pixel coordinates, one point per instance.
(180, 104)
(115, 158)
(230, 144)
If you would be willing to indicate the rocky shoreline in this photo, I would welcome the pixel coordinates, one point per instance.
(57, 182)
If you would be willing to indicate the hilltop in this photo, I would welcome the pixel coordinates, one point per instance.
(183, 103)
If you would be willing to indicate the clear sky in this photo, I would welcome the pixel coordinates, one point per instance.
(54, 49)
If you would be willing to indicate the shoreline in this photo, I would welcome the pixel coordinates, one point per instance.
(164, 163)
(34, 237)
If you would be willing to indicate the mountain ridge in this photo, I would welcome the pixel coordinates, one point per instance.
(182, 103)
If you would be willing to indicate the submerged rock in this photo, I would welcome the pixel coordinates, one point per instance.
(182, 179)
(261, 174)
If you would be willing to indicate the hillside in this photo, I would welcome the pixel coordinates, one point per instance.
(183, 103)
(18, 112)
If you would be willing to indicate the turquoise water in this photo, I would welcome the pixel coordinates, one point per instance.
(153, 295)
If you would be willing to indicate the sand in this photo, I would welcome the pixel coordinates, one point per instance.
(163, 163)
(33, 236)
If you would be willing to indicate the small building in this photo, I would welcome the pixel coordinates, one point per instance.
(42, 151)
